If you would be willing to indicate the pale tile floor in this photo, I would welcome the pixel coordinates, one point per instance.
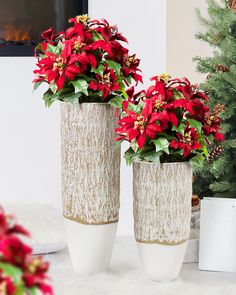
(127, 278)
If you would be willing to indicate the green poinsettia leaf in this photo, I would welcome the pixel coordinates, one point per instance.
(53, 87)
(153, 156)
(123, 90)
(49, 98)
(134, 145)
(13, 272)
(37, 84)
(128, 79)
(54, 49)
(203, 143)
(137, 108)
(130, 156)
(70, 97)
(161, 144)
(33, 291)
(80, 85)
(96, 36)
(179, 128)
(117, 102)
(177, 94)
(114, 65)
(195, 124)
(20, 291)
(99, 70)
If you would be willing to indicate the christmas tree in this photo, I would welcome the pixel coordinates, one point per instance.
(218, 176)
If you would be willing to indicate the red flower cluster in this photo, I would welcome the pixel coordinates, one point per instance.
(169, 118)
(16, 258)
(88, 59)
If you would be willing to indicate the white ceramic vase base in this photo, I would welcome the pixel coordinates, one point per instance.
(90, 246)
(162, 263)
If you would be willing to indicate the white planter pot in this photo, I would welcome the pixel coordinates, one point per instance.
(90, 183)
(218, 235)
(162, 214)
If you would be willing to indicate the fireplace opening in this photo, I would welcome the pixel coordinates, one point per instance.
(22, 22)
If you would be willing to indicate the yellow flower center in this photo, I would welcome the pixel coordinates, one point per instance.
(210, 119)
(130, 60)
(164, 77)
(107, 79)
(58, 64)
(84, 18)
(77, 46)
(159, 104)
(140, 124)
(34, 264)
(188, 137)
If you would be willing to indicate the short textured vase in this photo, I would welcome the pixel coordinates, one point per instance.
(90, 184)
(162, 213)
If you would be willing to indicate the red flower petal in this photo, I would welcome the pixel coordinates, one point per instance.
(60, 82)
(173, 119)
(141, 140)
(92, 60)
(93, 85)
(219, 136)
(174, 144)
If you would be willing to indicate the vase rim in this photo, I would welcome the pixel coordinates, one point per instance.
(105, 103)
(168, 163)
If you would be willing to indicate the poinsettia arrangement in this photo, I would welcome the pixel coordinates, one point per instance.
(21, 273)
(86, 63)
(170, 122)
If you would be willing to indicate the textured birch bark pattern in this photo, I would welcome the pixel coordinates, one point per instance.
(90, 163)
(162, 202)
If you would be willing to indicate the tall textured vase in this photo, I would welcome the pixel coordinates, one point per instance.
(90, 184)
(162, 213)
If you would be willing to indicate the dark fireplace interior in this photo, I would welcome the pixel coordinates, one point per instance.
(23, 21)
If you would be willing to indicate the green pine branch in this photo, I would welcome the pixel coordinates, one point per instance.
(218, 178)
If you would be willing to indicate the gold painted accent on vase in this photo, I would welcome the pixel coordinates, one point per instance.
(164, 243)
(79, 220)
(90, 163)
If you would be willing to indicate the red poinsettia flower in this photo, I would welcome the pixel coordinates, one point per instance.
(35, 275)
(130, 67)
(9, 227)
(14, 251)
(49, 36)
(139, 126)
(182, 85)
(80, 19)
(159, 105)
(113, 48)
(57, 68)
(212, 126)
(78, 55)
(188, 142)
(160, 89)
(106, 83)
(108, 32)
(76, 46)
(7, 286)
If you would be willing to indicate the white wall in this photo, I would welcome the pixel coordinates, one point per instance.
(29, 137)
(144, 25)
(30, 133)
(181, 44)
